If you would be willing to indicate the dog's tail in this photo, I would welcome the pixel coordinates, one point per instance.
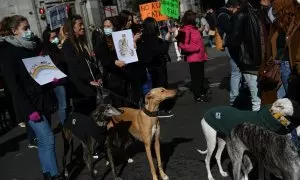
(202, 152)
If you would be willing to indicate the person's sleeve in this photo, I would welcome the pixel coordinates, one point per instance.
(14, 85)
(188, 46)
(237, 29)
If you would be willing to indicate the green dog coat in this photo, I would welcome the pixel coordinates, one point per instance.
(224, 118)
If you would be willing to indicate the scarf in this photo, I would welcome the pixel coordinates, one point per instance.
(20, 42)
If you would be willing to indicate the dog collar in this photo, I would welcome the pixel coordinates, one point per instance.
(283, 120)
(150, 114)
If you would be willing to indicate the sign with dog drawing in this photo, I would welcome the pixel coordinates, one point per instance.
(124, 46)
(42, 69)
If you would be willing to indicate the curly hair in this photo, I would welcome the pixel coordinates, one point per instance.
(285, 11)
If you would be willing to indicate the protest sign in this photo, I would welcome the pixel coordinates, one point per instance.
(124, 46)
(42, 69)
(111, 11)
(170, 8)
(152, 10)
(57, 16)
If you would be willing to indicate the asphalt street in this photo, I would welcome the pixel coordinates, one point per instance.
(181, 135)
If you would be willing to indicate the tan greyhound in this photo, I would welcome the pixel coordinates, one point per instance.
(145, 125)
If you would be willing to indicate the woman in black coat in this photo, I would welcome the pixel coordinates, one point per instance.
(153, 54)
(33, 103)
(113, 69)
(84, 75)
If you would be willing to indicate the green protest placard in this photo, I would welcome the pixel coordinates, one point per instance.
(170, 8)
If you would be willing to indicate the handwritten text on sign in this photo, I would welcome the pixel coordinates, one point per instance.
(152, 10)
(170, 8)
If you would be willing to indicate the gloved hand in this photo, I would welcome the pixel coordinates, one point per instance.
(55, 81)
(35, 116)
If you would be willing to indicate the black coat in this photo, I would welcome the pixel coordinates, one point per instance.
(79, 72)
(28, 96)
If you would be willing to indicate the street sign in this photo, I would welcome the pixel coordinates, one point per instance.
(152, 10)
(57, 16)
(111, 11)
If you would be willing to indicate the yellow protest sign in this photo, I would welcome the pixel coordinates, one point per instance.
(152, 10)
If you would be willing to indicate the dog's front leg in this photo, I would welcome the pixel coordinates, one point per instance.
(88, 155)
(109, 141)
(157, 152)
(150, 160)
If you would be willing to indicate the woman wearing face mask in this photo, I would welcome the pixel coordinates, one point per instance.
(50, 47)
(135, 72)
(113, 69)
(32, 102)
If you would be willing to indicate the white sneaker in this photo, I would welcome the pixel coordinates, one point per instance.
(179, 59)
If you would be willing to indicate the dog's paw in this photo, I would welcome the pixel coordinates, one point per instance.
(224, 174)
(130, 160)
(107, 163)
(66, 174)
(211, 178)
(165, 177)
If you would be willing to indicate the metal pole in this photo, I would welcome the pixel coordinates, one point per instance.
(86, 22)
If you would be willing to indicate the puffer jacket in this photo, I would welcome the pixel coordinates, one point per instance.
(192, 44)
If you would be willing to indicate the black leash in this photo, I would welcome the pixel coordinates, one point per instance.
(139, 104)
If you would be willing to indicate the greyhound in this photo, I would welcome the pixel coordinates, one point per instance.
(218, 123)
(88, 130)
(144, 125)
(279, 154)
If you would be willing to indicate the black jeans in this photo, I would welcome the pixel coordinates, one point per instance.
(117, 85)
(197, 77)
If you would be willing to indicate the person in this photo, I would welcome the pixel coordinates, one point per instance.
(136, 26)
(135, 73)
(83, 73)
(153, 53)
(212, 21)
(191, 43)
(84, 76)
(50, 47)
(32, 102)
(113, 68)
(287, 22)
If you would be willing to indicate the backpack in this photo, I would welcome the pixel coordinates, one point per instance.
(252, 47)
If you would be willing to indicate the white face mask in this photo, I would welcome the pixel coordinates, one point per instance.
(27, 35)
(298, 1)
(108, 31)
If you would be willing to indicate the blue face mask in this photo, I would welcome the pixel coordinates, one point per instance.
(27, 35)
(108, 31)
(55, 41)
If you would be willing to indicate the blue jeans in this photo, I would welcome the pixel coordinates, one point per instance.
(251, 82)
(285, 73)
(60, 93)
(46, 146)
(235, 79)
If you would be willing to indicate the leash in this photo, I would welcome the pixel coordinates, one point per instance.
(139, 104)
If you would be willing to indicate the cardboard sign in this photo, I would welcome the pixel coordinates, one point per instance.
(170, 8)
(111, 11)
(42, 69)
(152, 10)
(57, 16)
(124, 45)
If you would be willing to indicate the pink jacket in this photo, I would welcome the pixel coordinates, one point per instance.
(193, 44)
